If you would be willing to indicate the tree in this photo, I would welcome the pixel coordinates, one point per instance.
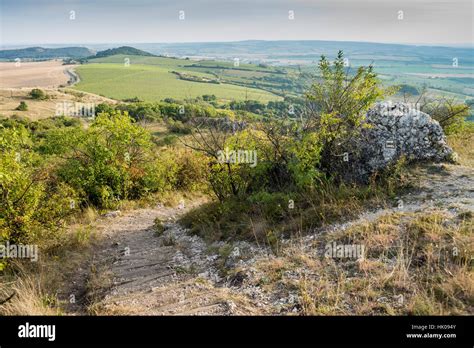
(407, 91)
(103, 107)
(209, 97)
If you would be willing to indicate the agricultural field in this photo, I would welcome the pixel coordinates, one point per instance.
(157, 78)
(446, 71)
(41, 109)
(33, 74)
(154, 78)
(438, 79)
(270, 77)
(17, 81)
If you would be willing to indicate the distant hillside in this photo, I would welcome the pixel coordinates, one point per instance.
(310, 50)
(126, 50)
(46, 53)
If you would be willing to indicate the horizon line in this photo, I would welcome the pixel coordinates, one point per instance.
(449, 45)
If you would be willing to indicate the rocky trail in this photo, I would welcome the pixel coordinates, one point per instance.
(134, 271)
(437, 186)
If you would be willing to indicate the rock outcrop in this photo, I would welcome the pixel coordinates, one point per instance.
(395, 130)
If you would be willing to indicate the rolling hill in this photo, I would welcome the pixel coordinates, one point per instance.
(46, 53)
(125, 50)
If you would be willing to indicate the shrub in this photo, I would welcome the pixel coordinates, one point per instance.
(160, 174)
(20, 196)
(178, 127)
(31, 202)
(307, 157)
(209, 97)
(132, 100)
(229, 114)
(106, 162)
(451, 115)
(337, 107)
(407, 90)
(272, 206)
(103, 107)
(192, 170)
(294, 155)
(141, 111)
(38, 94)
(22, 107)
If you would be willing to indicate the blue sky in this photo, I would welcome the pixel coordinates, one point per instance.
(118, 21)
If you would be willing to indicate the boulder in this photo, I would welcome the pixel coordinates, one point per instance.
(395, 130)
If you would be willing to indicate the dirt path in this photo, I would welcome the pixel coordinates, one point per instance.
(136, 271)
(437, 186)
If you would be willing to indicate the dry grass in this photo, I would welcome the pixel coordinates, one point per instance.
(415, 264)
(43, 287)
(100, 280)
(463, 145)
(32, 288)
(28, 298)
(41, 109)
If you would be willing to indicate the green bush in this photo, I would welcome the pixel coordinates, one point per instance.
(22, 107)
(103, 107)
(178, 127)
(272, 206)
(107, 162)
(141, 111)
(450, 114)
(339, 103)
(38, 94)
(160, 174)
(294, 154)
(114, 160)
(192, 170)
(32, 203)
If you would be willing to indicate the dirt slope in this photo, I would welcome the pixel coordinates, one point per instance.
(135, 271)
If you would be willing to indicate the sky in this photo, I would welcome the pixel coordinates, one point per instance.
(445, 22)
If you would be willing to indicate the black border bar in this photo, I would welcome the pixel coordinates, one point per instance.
(246, 331)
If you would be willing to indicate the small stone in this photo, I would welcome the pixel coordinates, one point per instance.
(112, 214)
